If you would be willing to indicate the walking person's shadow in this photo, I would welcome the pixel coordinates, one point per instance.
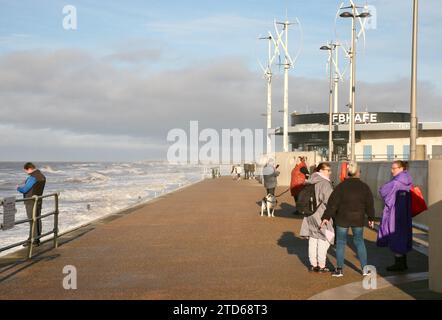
(287, 211)
(295, 246)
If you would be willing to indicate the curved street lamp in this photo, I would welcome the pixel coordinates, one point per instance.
(347, 14)
(353, 15)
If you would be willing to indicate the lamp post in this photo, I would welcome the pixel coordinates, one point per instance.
(336, 80)
(286, 90)
(413, 113)
(330, 48)
(353, 15)
(268, 76)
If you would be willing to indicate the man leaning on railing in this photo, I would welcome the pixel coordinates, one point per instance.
(33, 186)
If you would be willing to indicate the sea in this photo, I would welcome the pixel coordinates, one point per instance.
(91, 190)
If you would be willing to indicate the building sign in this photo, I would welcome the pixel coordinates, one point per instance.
(360, 117)
(9, 212)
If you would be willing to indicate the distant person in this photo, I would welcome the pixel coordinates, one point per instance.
(395, 230)
(311, 227)
(298, 177)
(233, 173)
(270, 174)
(252, 170)
(238, 172)
(33, 186)
(246, 171)
(348, 205)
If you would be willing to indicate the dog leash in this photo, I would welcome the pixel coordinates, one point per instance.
(282, 193)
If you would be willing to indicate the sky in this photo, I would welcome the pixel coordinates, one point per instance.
(133, 70)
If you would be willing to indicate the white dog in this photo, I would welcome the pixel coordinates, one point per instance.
(268, 203)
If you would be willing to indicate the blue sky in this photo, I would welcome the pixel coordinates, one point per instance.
(200, 31)
(133, 70)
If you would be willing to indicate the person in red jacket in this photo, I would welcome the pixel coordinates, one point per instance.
(299, 175)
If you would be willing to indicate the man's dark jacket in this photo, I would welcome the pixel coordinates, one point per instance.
(34, 186)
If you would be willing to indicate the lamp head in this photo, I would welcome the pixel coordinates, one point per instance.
(364, 15)
(346, 14)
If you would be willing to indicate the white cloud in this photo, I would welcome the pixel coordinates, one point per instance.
(74, 103)
(18, 143)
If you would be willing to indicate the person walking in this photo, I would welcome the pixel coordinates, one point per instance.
(311, 226)
(33, 186)
(238, 172)
(270, 174)
(395, 230)
(348, 205)
(298, 177)
(233, 172)
(252, 170)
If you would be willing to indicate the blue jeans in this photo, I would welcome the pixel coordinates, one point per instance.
(358, 240)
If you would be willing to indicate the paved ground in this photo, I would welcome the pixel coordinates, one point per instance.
(416, 290)
(206, 241)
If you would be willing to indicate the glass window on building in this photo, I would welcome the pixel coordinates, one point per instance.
(437, 152)
(390, 152)
(368, 153)
(406, 152)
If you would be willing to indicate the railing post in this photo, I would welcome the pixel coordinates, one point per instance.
(56, 221)
(32, 231)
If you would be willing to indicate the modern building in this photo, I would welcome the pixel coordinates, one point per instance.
(379, 135)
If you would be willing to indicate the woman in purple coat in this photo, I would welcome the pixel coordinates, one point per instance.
(395, 230)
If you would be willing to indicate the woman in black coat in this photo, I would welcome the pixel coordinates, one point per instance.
(348, 205)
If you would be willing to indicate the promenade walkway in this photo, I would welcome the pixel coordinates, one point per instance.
(206, 241)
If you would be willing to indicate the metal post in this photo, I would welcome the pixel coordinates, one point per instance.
(32, 231)
(336, 81)
(330, 109)
(350, 123)
(269, 100)
(286, 91)
(353, 87)
(413, 111)
(56, 221)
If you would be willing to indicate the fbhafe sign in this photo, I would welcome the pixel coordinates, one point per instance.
(362, 117)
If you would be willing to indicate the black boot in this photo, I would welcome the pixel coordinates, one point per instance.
(404, 262)
(400, 264)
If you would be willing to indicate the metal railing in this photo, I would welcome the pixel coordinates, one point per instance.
(32, 240)
(215, 172)
(211, 172)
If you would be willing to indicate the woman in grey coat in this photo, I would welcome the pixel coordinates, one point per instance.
(270, 175)
(311, 226)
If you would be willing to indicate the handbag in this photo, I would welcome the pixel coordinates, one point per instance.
(330, 236)
(418, 204)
